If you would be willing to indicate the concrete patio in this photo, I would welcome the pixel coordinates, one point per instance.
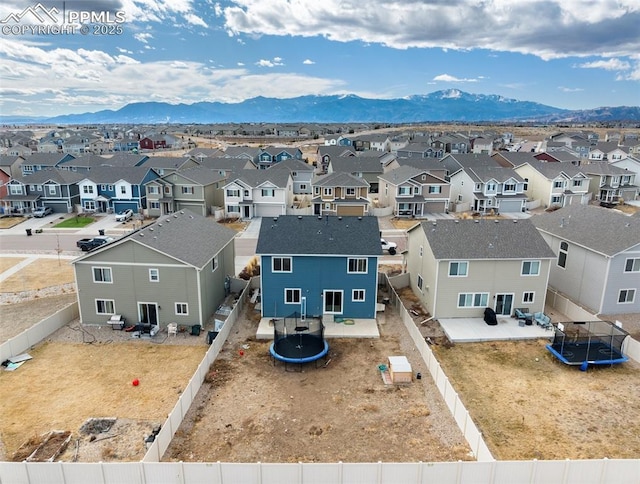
(351, 328)
(470, 330)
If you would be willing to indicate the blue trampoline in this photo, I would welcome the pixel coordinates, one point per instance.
(585, 343)
(297, 341)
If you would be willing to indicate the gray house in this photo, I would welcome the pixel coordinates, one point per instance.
(597, 257)
(460, 267)
(171, 271)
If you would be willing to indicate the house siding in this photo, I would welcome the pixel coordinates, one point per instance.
(307, 276)
(618, 279)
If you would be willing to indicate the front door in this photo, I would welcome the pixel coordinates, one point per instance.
(332, 302)
(504, 303)
(148, 313)
(247, 211)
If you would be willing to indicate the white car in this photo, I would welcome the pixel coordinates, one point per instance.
(124, 215)
(42, 212)
(389, 246)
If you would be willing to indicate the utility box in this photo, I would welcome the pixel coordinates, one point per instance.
(400, 369)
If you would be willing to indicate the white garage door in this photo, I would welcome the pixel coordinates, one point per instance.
(268, 210)
(510, 206)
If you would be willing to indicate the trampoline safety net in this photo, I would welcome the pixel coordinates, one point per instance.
(296, 338)
(596, 342)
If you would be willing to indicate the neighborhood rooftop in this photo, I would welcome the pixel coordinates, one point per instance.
(328, 235)
(485, 239)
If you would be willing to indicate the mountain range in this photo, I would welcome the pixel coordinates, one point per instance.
(450, 105)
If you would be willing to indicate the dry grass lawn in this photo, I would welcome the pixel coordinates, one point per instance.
(404, 223)
(8, 222)
(528, 405)
(8, 262)
(65, 384)
(39, 274)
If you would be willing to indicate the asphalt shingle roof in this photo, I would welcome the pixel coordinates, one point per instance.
(485, 239)
(186, 236)
(112, 174)
(353, 164)
(312, 235)
(600, 229)
(339, 179)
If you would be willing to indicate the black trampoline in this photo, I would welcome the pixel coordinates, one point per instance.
(298, 341)
(585, 343)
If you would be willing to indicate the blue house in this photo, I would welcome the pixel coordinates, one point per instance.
(324, 267)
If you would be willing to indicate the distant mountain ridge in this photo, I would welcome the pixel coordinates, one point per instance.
(450, 105)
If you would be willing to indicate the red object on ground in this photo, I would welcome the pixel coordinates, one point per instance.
(241, 353)
(136, 382)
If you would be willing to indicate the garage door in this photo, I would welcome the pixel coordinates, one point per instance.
(199, 209)
(510, 206)
(435, 207)
(357, 210)
(268, 210)
(59, 207)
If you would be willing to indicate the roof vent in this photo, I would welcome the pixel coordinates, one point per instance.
(477, 221)
(299, 217)
(340, 217)
(151, 228)
(319, 217)
(175, 215)
(141, 234)
(515, 221)
(182, 211)
(275, 219)
(359, 218)
(159, 225)
(496, 221)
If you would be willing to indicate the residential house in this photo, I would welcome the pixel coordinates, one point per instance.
(630, 164)
(153, 142)
(375, 142)
(460, 267)
(42, 161)
(431, 165)
(481, 145)
(559, 156)
(327, 152)
(338, 140)
(198, 189)
(301, 175)
(5, 174)
(258, 193)
(597, 257)
(413, 192)
(509, 159)
(489, 188)
(172, 271)
(554, 184)
(56, 189)
(225, 165)
(113, 189)
(610, 183)
(454, 162)
(607, 151)
(340, 194)
(271, 155)
(419, 150)
(165, 165)
(366, 167)
(451, 143)
(320, 267)
(84, 163)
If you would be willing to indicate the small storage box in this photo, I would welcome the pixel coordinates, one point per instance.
(400, 369)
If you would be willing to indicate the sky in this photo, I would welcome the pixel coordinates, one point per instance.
(85, 56)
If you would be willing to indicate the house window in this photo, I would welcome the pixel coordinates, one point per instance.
(110, 188)
(404, 190)
(528, 297)
(420, 253)
(87, 189)
(154, 205)
(103, 187)
(15, 189)
(556, 199)
(473, 300)
(167, 190)
(419, 282)
(105, 306)
(458, 269)
(89, 205)
(356, 265)
(435, 189)
(328, 191)
(626, 296)
(233, 208)
(525, 187)
(153, 190)
(358, 295)
(530, 268)
(509, 187)
(32, 188)
(214, 264)
(562, 254)
(351, 191)
(558, 184)
(52, 189)
(292, 296)
(268, 192)
(27, 168)
(39, 188)
(577, 183)
(123, 190)
(188, 190)
(491, 187)
(632, 265)
(281, 264)
(182, 309)
(154, 275)
(102, 274)
(303, 187)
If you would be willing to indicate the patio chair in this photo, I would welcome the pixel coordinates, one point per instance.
(172, 329)
(524, 314)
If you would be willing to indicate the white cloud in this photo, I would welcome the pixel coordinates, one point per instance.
(100, 79)
(570, 89)
(124, 51)
(308, 62)
(195, 20)
(608, 65)
(580, 27)
(143, 37)
(276, 61)
(448, 78)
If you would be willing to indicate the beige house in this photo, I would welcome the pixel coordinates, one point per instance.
(340, 194)
(554, 184)
(460, 267)
(413, 192)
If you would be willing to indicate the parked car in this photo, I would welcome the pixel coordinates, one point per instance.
(85, 245)
(391, 247)
(42, 212)
(124, 215)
